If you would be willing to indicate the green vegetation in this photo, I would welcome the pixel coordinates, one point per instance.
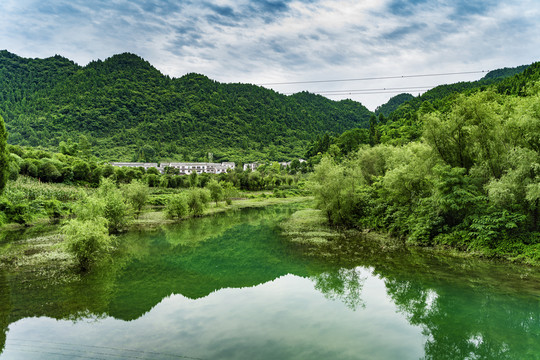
(88, 196)
(456, 166)
(87, 240)
(3, 156)
(176, 207)
(124, 109)
(470, 181)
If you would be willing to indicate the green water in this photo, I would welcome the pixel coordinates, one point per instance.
(229, 287)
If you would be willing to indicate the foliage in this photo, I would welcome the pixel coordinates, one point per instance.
(216, 190)
(124, 108)
(472, 181)
(177, 206)
(197, 200)
(4, 171)
(136, 193)
(115, 207)
(87, 240)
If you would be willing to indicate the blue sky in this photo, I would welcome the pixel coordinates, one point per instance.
(264, 41)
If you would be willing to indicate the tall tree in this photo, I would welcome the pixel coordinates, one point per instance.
(3, 155)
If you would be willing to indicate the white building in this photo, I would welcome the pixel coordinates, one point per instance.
(146, 166)
(185, 168)
(251, 166)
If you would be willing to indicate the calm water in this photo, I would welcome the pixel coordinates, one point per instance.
(229, 287)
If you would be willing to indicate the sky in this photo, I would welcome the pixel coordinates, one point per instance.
(276, 41)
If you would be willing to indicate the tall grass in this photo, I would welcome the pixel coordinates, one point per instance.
(29, 189)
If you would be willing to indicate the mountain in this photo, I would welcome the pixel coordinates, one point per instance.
(401, 125)
(393, 104)
(123, 105)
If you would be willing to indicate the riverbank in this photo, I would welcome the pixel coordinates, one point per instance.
(40, 247)
(309, 227)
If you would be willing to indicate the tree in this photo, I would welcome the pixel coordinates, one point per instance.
(197, 199)
(81, 170)
(373, 133)
(136, 193)
(177, 206)
(4, 159)
(216, 190)
(115, 209)
(87, 240)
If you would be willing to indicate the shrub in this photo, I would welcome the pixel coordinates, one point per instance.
(177, 206)
(115, 208)
(136, 194)
(197, 199)
(216, 190)
(87, 240)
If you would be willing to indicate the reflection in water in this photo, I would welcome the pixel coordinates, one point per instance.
(220, 287)
(342, 284)
(5, 310)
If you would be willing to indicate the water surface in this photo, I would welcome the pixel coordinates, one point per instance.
(229, 287)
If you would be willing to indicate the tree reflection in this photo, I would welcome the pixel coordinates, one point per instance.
(468, 323)
(5, 309)
(344, 285)
(467, 308)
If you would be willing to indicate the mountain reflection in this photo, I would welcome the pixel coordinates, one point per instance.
(465, 308)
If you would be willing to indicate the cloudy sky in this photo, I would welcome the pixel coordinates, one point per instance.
(276, 41)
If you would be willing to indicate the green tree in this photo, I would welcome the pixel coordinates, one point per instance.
(4, 158)
(87, 240)
(177, 206)
(81, 170)
(197, 200)
(115, 208)
(136, 193)
(373, 132)
(216, 190)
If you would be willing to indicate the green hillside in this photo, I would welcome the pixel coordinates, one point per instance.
(460, 172)
(127, 110)
(402, 123)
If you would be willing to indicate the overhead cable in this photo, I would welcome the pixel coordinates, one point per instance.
(374, 78)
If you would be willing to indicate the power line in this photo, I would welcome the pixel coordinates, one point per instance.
(374, 78)
(371, 93)
(362, 91)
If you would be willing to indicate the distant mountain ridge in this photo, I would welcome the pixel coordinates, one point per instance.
(126, 109)
(123, 104)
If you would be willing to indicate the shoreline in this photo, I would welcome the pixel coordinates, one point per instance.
(310, 227)
(41, 244)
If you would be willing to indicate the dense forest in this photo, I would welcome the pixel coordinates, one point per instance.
(460, 171)
(127, 110)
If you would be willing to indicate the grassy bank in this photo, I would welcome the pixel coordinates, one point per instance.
(41, 248)
(311, 228)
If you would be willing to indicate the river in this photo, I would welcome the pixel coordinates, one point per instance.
(230, 287)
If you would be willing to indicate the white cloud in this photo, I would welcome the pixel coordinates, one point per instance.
(284, 40)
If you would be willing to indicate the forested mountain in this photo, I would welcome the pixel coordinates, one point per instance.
(402, 125)
(393, 104)
(127, 110)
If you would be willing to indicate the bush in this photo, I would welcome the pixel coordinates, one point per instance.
(177, 206)
(216, 190)
(197, 199)
(136, 194)
(87, 240)
(115, 208)
(17, 212)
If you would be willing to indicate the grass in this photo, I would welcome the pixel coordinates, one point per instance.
(155, 216)
(309, 226)
(27, 189)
